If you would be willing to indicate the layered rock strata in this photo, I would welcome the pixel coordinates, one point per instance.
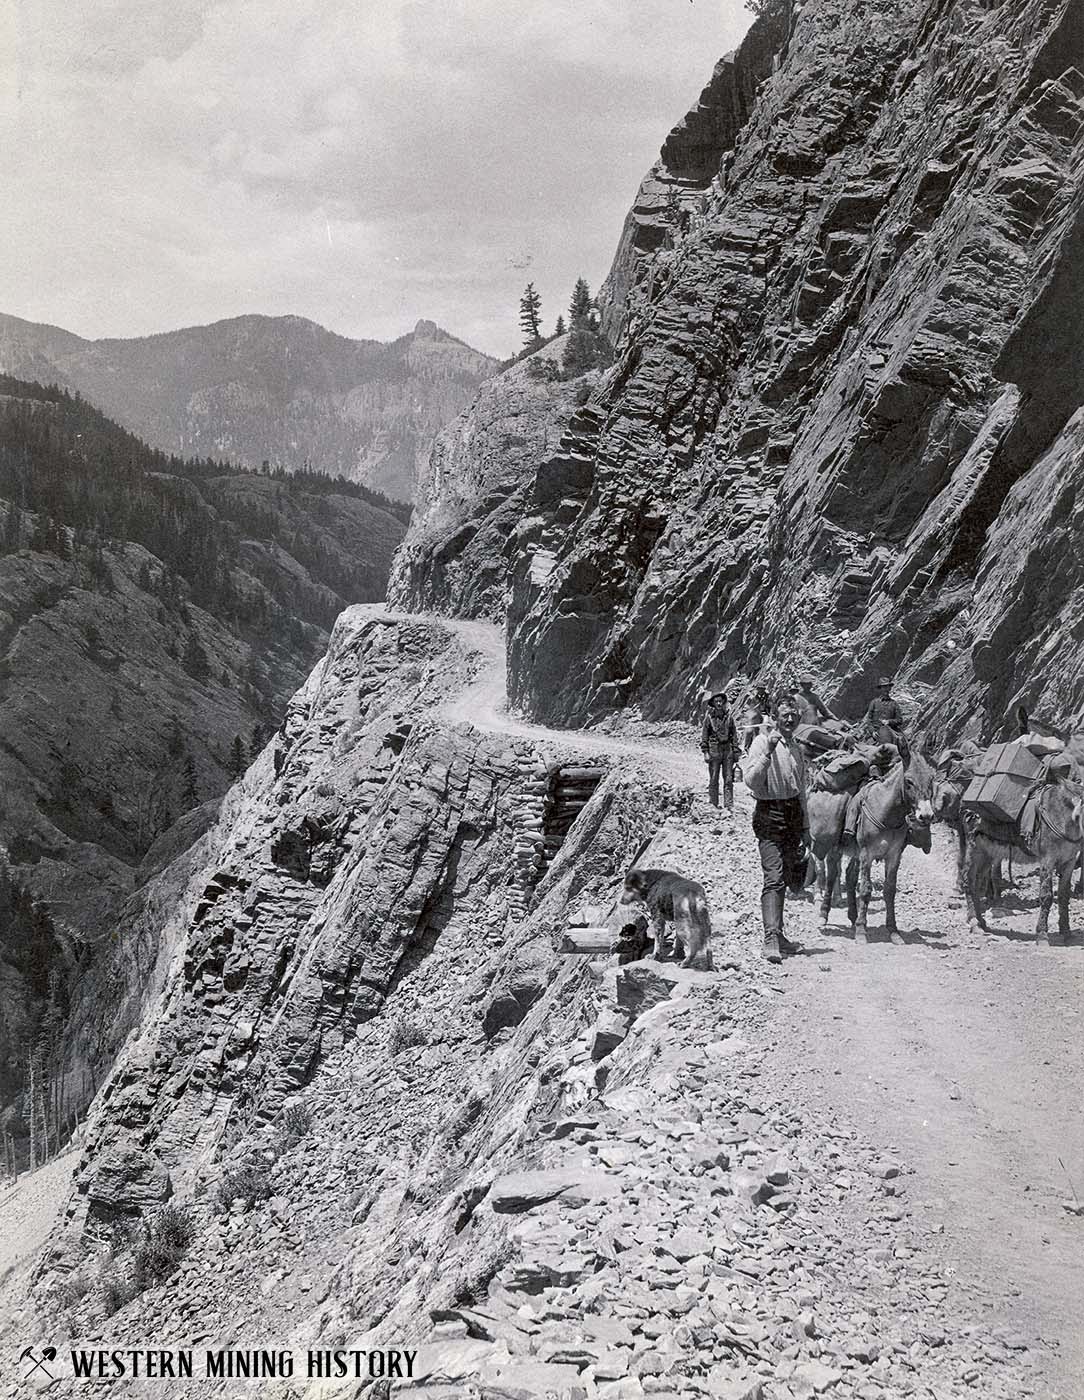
(846, 396)
(475, 488)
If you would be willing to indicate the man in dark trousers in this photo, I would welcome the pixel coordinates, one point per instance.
(719, 745)
(775, 773)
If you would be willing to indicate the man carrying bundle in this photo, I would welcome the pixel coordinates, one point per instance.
(719, 745)
(774, 771)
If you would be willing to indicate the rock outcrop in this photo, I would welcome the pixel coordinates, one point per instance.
(265, 388)
(366, 829)
(674, 195)
(617, 1195)
(475, 489)
(842, 395)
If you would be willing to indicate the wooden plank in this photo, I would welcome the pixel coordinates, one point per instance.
(589, 940)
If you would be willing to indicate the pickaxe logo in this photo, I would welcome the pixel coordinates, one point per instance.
(47, 1354)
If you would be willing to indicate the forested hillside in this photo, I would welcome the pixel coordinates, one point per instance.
(155, 616)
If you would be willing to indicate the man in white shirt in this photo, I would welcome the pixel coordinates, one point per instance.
(775, 773)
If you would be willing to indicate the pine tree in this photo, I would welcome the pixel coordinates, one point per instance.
(237, 756)
(580, 307)
(559, 328)
(530, 315)
(256, 743)
(586, 347)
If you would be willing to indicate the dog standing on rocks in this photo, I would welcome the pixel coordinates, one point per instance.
(670, 898)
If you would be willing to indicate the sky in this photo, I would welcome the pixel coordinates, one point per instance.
(364, 163)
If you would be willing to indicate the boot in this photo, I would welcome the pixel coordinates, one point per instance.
(787, 948)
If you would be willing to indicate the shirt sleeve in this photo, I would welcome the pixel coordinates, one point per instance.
(757, 759)
(705, 730)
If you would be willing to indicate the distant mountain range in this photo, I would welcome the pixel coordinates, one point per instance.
(279, 389)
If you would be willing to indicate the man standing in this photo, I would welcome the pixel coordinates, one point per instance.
(774, 771)
(811, 707)
(719, 745)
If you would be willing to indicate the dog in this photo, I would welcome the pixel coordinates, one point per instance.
(672, 899)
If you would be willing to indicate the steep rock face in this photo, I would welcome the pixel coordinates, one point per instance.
(473, 490)
(331, 872)
(819, 439)
(261, 388)
(673, 195)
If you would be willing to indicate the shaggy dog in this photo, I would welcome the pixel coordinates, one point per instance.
(672, 899)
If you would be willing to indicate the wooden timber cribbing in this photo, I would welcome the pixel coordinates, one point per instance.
(548, 799)
(570, 790)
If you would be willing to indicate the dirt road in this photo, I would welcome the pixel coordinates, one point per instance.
(964, 1052)
(961, 1052)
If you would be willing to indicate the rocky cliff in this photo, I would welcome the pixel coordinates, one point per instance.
(262, 388)
(475, 489)
(840, 434)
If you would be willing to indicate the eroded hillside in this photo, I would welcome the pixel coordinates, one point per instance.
(153, 625)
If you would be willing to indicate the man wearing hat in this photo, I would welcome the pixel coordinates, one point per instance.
(885, 717)
(811, 707)
(719, 745)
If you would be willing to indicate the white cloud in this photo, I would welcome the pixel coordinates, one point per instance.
(362, 163)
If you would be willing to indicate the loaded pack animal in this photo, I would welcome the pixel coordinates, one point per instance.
(873, 818)
(1049, 831)
(955, 769)
(672, 899)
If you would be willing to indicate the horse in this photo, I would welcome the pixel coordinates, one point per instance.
(1050, 830)
(874, 822)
